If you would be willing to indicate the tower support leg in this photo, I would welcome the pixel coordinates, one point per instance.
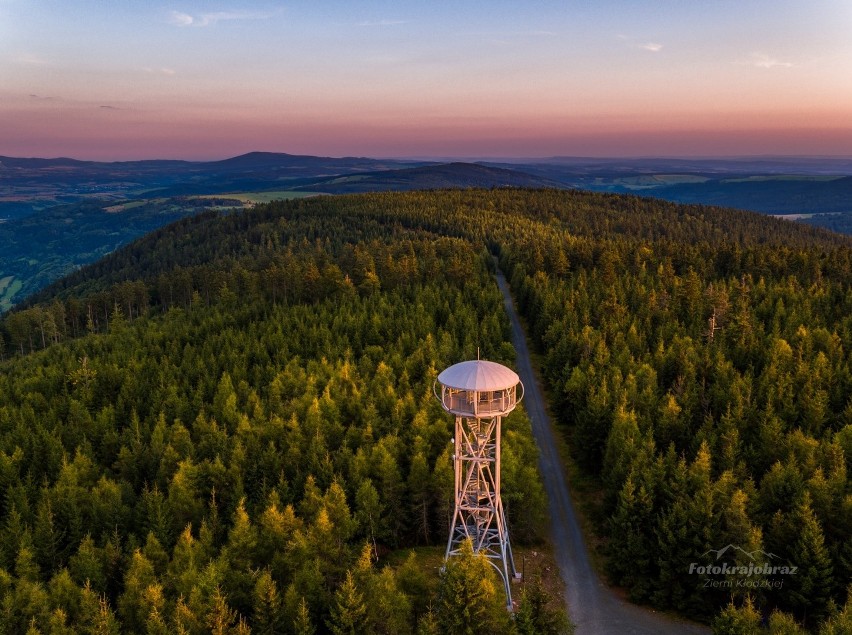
(478, 514)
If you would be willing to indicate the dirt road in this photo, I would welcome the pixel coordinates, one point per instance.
(592, 606)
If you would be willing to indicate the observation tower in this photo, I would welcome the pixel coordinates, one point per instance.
(480, 393)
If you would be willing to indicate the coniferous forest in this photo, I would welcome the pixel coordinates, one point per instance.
(228, 425)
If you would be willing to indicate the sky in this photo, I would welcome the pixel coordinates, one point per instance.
(193, 79)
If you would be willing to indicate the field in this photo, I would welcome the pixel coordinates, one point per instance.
(252, 198)
(9, 286)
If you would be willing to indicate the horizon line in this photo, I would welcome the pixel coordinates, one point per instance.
(472, 158)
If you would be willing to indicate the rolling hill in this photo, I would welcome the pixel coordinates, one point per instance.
(114, 203)
(430, 177)
(58, 214)
(227, 409)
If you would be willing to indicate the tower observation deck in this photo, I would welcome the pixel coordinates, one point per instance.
(480, 393)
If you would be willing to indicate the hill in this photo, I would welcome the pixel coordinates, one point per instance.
(447, 175)
(780, 195)
(262, 378)
(248, 447)
(40, 248)
(59, 214)
(811, 190)
(45, 198)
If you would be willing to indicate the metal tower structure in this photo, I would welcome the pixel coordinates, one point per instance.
(480, 393)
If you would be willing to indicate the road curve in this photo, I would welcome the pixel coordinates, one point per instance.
(592, 606)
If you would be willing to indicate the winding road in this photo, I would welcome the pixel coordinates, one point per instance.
(592, 606)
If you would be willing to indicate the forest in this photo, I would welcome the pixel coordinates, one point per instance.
(228, 424)
(242, 437)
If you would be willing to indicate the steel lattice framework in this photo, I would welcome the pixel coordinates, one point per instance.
(479, 393)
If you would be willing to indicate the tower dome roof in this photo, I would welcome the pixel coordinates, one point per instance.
(479, 375)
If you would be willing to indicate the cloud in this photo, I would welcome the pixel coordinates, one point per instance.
(41, 97)
(763, 60)
(158, 71)
(32, 60)
(179, 18)
(632, 42)
(110, 108)
(382, 22)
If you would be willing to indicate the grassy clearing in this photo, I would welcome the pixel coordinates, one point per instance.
(260, 197)
(123, 207)
(9, 287)
(785, 177)
(648, 181)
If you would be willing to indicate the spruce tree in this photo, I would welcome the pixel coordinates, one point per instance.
(809, 591)
(348, 610)
(537, 615)
(303, 625)
(738, 620)
(268, 610)
(469, 599)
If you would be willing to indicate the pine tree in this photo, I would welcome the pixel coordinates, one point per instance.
(335, 504)
(155, 603)
(303, 625)
(388, 608)
(784, 624)
(57, 623)
(131, 604)
(809, 592)
(536, 615)
(621, 448)
(348, 611)
(105, 622)
(428, 624)
(841, 623)
(368, 510)
(630, 549)
(470, 601)
(420, 492)
(734, 620)
(416, 584)
(268, 610)
(237, 555)
(46, 539)
(64, 594)
(221, 617)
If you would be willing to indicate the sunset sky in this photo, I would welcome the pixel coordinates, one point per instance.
(187, 79)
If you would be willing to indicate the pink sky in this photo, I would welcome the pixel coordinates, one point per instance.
(400, 79)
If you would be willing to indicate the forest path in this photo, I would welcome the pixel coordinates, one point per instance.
(592, 606)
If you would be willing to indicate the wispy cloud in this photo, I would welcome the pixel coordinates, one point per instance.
(763, 60)
(110, 107)
(382, 22)
(179, 18)
(41, 97)
(632, 42)
(507, 34)
(32, 60)
(158, 71)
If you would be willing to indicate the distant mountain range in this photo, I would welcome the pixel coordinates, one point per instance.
(58, 214)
